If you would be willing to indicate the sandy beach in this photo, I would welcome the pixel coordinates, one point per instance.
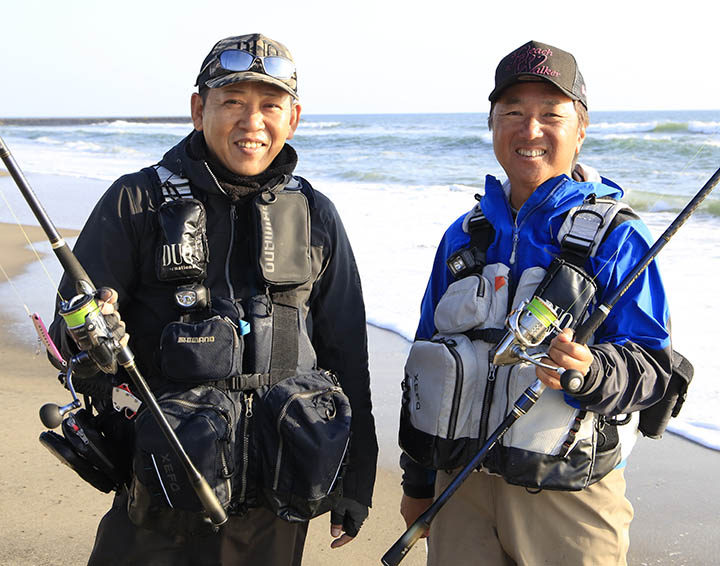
(48, 515)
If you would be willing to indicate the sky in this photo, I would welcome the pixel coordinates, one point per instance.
(90, 58)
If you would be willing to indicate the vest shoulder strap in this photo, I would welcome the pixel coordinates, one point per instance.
(478, 227)
(585, 226)
(583, 230)
(173, 186)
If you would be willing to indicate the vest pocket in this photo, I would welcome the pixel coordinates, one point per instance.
(199, 352)
(465, 305)
(161, 497)
(442, 401)
(545, 427)
(304, 433)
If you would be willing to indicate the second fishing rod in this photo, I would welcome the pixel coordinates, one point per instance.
(528, 326)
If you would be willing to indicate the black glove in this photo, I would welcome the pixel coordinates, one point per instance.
(350, 514)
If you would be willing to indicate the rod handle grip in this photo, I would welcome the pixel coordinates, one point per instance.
(587, 328)
(402, 546)
(209, 501)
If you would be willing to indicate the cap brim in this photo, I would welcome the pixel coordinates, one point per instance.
(527, 77)
(244, 76)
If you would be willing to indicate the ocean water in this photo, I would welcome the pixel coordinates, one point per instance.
(398, 182)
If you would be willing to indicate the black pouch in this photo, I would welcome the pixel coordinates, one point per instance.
(303, 434)
(204, 419)
(568, 287)
(283, 237)
(654, 419)
(84, 449)
(182, 254)
(205, 350)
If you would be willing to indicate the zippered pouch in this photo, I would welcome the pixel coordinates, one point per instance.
(200, 351)
(443, 394)
(161, 496)
(465, 305)
(282, 223)
(303, 423)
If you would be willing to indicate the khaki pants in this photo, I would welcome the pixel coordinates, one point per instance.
(489, 522)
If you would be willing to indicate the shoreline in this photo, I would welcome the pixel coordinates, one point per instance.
(671, 483)
(38, 493)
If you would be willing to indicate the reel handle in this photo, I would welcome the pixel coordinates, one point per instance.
(51, 414)
(572, 381)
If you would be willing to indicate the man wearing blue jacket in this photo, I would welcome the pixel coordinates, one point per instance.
(533, 501)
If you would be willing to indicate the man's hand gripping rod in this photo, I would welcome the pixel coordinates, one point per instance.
(84, 305)
(572, 381)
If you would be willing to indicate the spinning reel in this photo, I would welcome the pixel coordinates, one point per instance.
(528, 326)
(99, 349)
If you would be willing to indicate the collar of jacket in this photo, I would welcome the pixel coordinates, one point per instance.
(555, 196)
(180, 160)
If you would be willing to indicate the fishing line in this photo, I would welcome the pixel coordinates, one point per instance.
(55, 288)
(15, 290)
(711, 137)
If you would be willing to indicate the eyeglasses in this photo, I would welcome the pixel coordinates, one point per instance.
(239, 60)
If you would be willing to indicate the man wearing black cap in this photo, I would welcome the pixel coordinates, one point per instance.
(273, 253)
(553, 490)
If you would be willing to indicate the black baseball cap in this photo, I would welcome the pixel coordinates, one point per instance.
(213, 74)
(540, 61)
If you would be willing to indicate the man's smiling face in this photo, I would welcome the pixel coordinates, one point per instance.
(536, 135)
(245, 124)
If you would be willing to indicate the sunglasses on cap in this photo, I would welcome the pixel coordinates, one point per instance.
(239, 60)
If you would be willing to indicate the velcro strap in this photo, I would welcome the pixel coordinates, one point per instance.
(284, 358)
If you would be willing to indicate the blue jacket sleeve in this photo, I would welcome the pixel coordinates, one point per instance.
(632, 350)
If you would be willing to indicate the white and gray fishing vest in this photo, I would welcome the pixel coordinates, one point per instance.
(455, 397)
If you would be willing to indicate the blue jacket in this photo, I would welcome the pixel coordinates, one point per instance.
(632, 350)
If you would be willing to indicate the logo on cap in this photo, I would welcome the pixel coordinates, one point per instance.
(529, 59)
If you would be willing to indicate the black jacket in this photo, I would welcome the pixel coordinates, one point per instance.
(117, 247)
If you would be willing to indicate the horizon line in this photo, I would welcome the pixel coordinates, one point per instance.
(9, 120)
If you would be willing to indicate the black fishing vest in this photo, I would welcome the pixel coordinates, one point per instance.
(275, 340)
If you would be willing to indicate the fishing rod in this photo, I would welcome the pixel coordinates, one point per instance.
(528, 326)
(89, 329)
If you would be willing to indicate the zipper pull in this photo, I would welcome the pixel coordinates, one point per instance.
(514, 246)
(492, 371)
(248, 405)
